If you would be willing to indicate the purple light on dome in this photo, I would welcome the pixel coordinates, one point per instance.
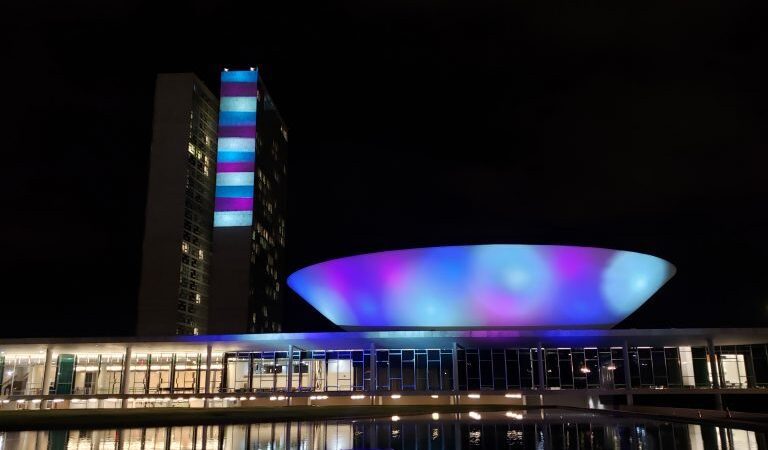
(483, 286)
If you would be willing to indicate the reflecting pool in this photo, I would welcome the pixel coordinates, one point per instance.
(550, 429)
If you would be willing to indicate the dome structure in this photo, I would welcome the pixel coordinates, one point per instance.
(482, 286)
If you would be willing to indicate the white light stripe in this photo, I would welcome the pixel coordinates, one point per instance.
(233, 144)
(232, 218)
(242, 104)
(234, 179)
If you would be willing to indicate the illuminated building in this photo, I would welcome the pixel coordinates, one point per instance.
(558, 348)
(487, 286)
(249, 217)
(174, 293)
(214, 242)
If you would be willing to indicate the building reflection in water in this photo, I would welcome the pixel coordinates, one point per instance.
(493, 431)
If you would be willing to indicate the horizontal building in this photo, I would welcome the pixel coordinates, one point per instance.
(516, 324)
(382, 367)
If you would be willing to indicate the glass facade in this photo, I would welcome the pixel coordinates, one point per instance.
(269, 207)
(161, 373)
(196, 245)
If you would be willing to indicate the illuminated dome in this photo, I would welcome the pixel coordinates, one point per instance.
(482, 286)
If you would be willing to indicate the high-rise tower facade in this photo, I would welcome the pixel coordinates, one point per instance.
(249, 216)
(174, 293)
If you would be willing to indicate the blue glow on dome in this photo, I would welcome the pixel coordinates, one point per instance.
(482, 286)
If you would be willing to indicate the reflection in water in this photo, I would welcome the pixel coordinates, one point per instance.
(521, 430)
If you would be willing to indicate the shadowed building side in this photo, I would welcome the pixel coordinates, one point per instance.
(174, 289)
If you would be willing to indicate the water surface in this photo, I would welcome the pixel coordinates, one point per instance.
(550, 429)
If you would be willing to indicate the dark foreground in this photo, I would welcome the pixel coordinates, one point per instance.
(150, 417)
(510, 429)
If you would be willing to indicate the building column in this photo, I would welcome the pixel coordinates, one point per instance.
(374, 370)
(47, 372)
(455, 360)
(627, 374)
(289, 381)
(124, 386)
(714, 368)
(542, 378)
(207, 387)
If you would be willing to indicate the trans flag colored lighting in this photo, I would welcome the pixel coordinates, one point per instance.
(237, 149)
(519, 286)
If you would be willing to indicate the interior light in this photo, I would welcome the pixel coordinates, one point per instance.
(611, 366)
(396, 396)
(475, 415)
(512, 415)
(251, 398)
(513, 395)
(585, 369)
(357, 397)
(434, 396)
(473, 395)
(273, 398)
(395, 418)
(252, 69)
(435, 416)
(242, 398)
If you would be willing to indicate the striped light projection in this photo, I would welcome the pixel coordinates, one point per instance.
(483, 286)
(237, 149)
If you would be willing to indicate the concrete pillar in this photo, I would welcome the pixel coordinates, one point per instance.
(207, 387)
(715, 369)
(373, 369)
(542, 378)
(124, 386)
(289, 381)
(627, 374)
(47, 372)
(713, 364)
(455, 360)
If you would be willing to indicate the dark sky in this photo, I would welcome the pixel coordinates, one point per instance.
(413, 123)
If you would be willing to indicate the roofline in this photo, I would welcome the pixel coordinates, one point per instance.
(427, 339)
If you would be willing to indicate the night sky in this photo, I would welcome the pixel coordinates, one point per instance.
(412, 123)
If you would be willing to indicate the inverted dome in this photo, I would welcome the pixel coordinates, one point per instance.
(482, 286)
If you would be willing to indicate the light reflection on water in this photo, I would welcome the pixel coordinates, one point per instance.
(534, 430)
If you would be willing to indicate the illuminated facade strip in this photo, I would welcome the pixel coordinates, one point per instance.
(236, 149)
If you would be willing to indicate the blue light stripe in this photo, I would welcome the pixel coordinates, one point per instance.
(228, 156)
(232, 218)
(235, 144)
(234, 191)
(239, 76)
(237, 118)
(234, 179)
(238, 104)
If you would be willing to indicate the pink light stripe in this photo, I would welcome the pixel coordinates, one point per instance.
(235, 167)
(245, 131)
(233, 204)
